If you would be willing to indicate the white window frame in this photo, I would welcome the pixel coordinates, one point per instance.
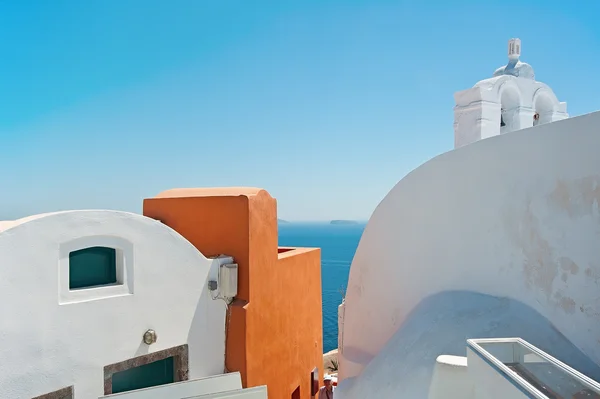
(124, 263)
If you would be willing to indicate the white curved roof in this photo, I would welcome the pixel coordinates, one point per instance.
(511, 216)
(7, 224)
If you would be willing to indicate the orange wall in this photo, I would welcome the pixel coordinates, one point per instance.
(296, 319)
(274, 337)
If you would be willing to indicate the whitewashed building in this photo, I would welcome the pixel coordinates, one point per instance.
(498, 238)
(99, 303)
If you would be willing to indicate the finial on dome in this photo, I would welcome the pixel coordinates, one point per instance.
(514, 49)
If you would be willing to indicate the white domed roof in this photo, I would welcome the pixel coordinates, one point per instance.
(515, 67)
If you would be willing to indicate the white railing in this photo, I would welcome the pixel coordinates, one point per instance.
(530, 370)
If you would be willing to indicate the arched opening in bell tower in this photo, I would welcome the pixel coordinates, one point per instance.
(544, 108)
(509, 108)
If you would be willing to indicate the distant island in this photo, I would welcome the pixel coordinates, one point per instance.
(282, 221)
(343, 222)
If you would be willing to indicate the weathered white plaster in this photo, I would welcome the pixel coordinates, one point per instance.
(341, 310)
(52, 339)
(514, 217)
(440, 324)
(512, 94)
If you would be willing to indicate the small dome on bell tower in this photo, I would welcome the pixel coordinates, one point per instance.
(515, 67)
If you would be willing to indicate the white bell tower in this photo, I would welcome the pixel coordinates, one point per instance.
(511, 100)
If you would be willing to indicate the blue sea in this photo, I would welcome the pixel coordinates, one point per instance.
(338, 244)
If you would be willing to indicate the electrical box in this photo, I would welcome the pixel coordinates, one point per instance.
(228, 280)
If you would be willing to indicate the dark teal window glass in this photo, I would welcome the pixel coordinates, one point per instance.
(92, 266)
(149, 375)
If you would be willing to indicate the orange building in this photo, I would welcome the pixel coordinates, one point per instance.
(274, 327)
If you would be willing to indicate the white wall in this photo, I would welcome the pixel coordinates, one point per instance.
(49, 343)
(513, 216)
(451, 379)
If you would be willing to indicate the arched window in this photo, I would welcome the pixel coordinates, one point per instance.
(91, 267)
(544, 108)
(95, 267)
(509, 108)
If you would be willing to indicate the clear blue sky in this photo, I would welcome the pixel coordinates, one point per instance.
(325, 103)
